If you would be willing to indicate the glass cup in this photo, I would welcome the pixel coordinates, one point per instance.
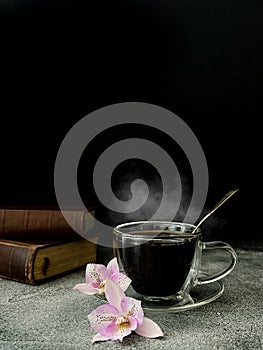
(163, 259)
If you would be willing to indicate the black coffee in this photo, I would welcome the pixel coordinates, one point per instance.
(157, 268)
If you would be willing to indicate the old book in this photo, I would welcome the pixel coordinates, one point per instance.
(36, 223)
(36, 261)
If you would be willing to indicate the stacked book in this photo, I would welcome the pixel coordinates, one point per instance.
(39, 244)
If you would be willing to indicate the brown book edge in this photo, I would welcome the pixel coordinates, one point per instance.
(27, 273)
(17, 224)
(20, 271)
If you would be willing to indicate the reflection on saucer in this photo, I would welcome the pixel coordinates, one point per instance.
(200, 295)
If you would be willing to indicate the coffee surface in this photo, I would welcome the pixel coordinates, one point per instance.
(158, 268)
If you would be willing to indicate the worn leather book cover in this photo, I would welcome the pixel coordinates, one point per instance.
(34, 261)
(43, 223)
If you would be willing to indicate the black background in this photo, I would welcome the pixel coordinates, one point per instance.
(61, 60)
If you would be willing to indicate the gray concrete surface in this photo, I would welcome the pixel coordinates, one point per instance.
(52, 316)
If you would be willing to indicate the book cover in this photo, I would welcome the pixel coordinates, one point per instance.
(34, 261)
(44, 223)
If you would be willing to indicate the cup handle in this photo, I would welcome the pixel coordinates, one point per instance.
(227, 270)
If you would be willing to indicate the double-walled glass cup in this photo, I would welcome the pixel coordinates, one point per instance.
(163, 259)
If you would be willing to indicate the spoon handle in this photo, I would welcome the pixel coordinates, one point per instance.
(218, 204)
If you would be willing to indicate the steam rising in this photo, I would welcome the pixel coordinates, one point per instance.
(151, 192)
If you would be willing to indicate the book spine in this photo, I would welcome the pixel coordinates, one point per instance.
(43, 224)
(16, 262)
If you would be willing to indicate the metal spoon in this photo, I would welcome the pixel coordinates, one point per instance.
(222, 201)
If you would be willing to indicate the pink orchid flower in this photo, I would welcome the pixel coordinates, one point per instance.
(120, 317)
(97, 276)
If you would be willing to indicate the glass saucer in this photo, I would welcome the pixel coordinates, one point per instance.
(200, 295)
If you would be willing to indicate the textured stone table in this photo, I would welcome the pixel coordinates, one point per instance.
(52, 316)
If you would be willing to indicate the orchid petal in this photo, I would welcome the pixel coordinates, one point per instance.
(99, 337)
(87, 289)
(119, 331)
(132, 308)
(149, 329)
(114, 294)
(112, 267)
(102, 317)
(95, 273)
(122, 280)
(133, 323)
